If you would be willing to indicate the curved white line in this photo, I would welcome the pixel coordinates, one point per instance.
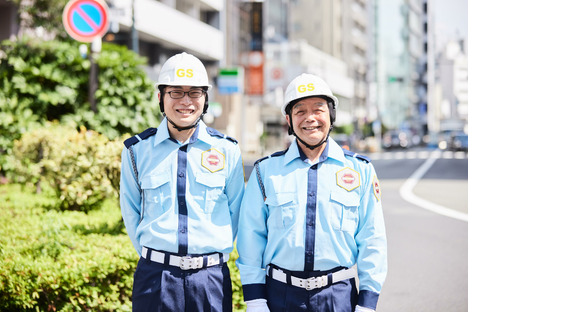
(406, 191)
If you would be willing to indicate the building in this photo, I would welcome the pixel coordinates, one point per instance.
(450, 104)
(402, 45)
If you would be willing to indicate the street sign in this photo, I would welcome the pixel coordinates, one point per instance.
(86, 20)
(231, 80)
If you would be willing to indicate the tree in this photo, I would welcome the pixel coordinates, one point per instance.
(43, 16)
(44, 81)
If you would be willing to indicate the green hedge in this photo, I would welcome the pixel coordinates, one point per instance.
(67, 261)
(82, 168)
(48, 81)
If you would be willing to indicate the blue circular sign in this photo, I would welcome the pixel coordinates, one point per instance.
(85, 20)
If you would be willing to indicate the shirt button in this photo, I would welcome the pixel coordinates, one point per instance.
(181, 175)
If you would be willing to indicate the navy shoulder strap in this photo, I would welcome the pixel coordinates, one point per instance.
(213, 132)
(257, 166)
(355, 155)
(134, 140)
(140, 137)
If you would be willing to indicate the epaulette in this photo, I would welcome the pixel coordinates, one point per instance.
(279, 153)
(353, 154)
(214, 132)
(140, 137)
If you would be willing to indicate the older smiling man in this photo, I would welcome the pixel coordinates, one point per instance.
(309, 214)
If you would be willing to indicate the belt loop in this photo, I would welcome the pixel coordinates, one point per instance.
(329, 276)
(204, 265)
(166, 260)
(288, 278)
(221, 258)
(270, 269)
(147, 254)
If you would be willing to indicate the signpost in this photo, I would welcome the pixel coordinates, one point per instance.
(87, 21)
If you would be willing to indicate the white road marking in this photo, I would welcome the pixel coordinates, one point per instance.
(406, 191)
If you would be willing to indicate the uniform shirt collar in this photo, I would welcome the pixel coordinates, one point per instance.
(163, 133)
(332, 150)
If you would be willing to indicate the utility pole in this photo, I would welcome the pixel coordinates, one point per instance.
(134, 34)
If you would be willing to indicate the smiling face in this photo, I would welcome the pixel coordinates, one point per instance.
(183, 111)
(310, 119)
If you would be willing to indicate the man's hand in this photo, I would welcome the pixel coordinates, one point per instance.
(257, 305)
(362, 309)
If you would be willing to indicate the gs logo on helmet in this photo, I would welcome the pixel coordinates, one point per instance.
(184, 72)
(304, 88)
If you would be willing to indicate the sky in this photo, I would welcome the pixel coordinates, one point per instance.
(450, 19)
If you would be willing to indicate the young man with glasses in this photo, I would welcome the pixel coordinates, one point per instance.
(181, 188)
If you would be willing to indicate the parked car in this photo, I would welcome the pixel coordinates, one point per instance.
(397, 139)
(459, 142)
(343, 140)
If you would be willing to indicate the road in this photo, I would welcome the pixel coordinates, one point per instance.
(427, 252)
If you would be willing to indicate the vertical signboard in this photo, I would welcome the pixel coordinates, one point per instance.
(255, 67)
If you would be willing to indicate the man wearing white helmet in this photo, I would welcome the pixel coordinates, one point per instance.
(309, 214)
(181, 188)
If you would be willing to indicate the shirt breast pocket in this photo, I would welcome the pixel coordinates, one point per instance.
(212, 186)
(344, 208)
(282, 208)
(156, 193)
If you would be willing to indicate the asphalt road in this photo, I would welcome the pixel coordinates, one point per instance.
(427, 252)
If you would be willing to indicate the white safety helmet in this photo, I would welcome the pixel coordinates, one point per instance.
(183, 70)
(307, 85)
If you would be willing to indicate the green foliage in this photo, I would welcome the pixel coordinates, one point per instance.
(237, 296)
(44, 14)
(346, 129)
(48, 80)
(72, 261)
(81, 168)
(68, 261)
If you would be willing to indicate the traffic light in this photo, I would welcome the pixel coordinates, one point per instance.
(395, 79)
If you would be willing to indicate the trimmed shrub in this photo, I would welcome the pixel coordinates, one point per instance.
(82, 168)
(68, 261)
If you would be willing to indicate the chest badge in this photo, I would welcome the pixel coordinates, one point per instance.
(348, 179)
(213, 160)
(376, 188)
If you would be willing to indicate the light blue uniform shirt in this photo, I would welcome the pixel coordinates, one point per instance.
(204, 177)
(347, 227)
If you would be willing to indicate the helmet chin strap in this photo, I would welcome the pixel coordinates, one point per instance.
(311, 147)
(183, 128)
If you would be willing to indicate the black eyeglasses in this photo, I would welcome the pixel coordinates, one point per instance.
(194, 94)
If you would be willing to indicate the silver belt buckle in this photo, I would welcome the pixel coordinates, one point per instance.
(316, 282)
(187, 263)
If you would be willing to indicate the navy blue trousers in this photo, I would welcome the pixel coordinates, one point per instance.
(158, 287)
(338, 297)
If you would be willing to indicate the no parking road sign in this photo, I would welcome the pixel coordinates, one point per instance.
(86, 20)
